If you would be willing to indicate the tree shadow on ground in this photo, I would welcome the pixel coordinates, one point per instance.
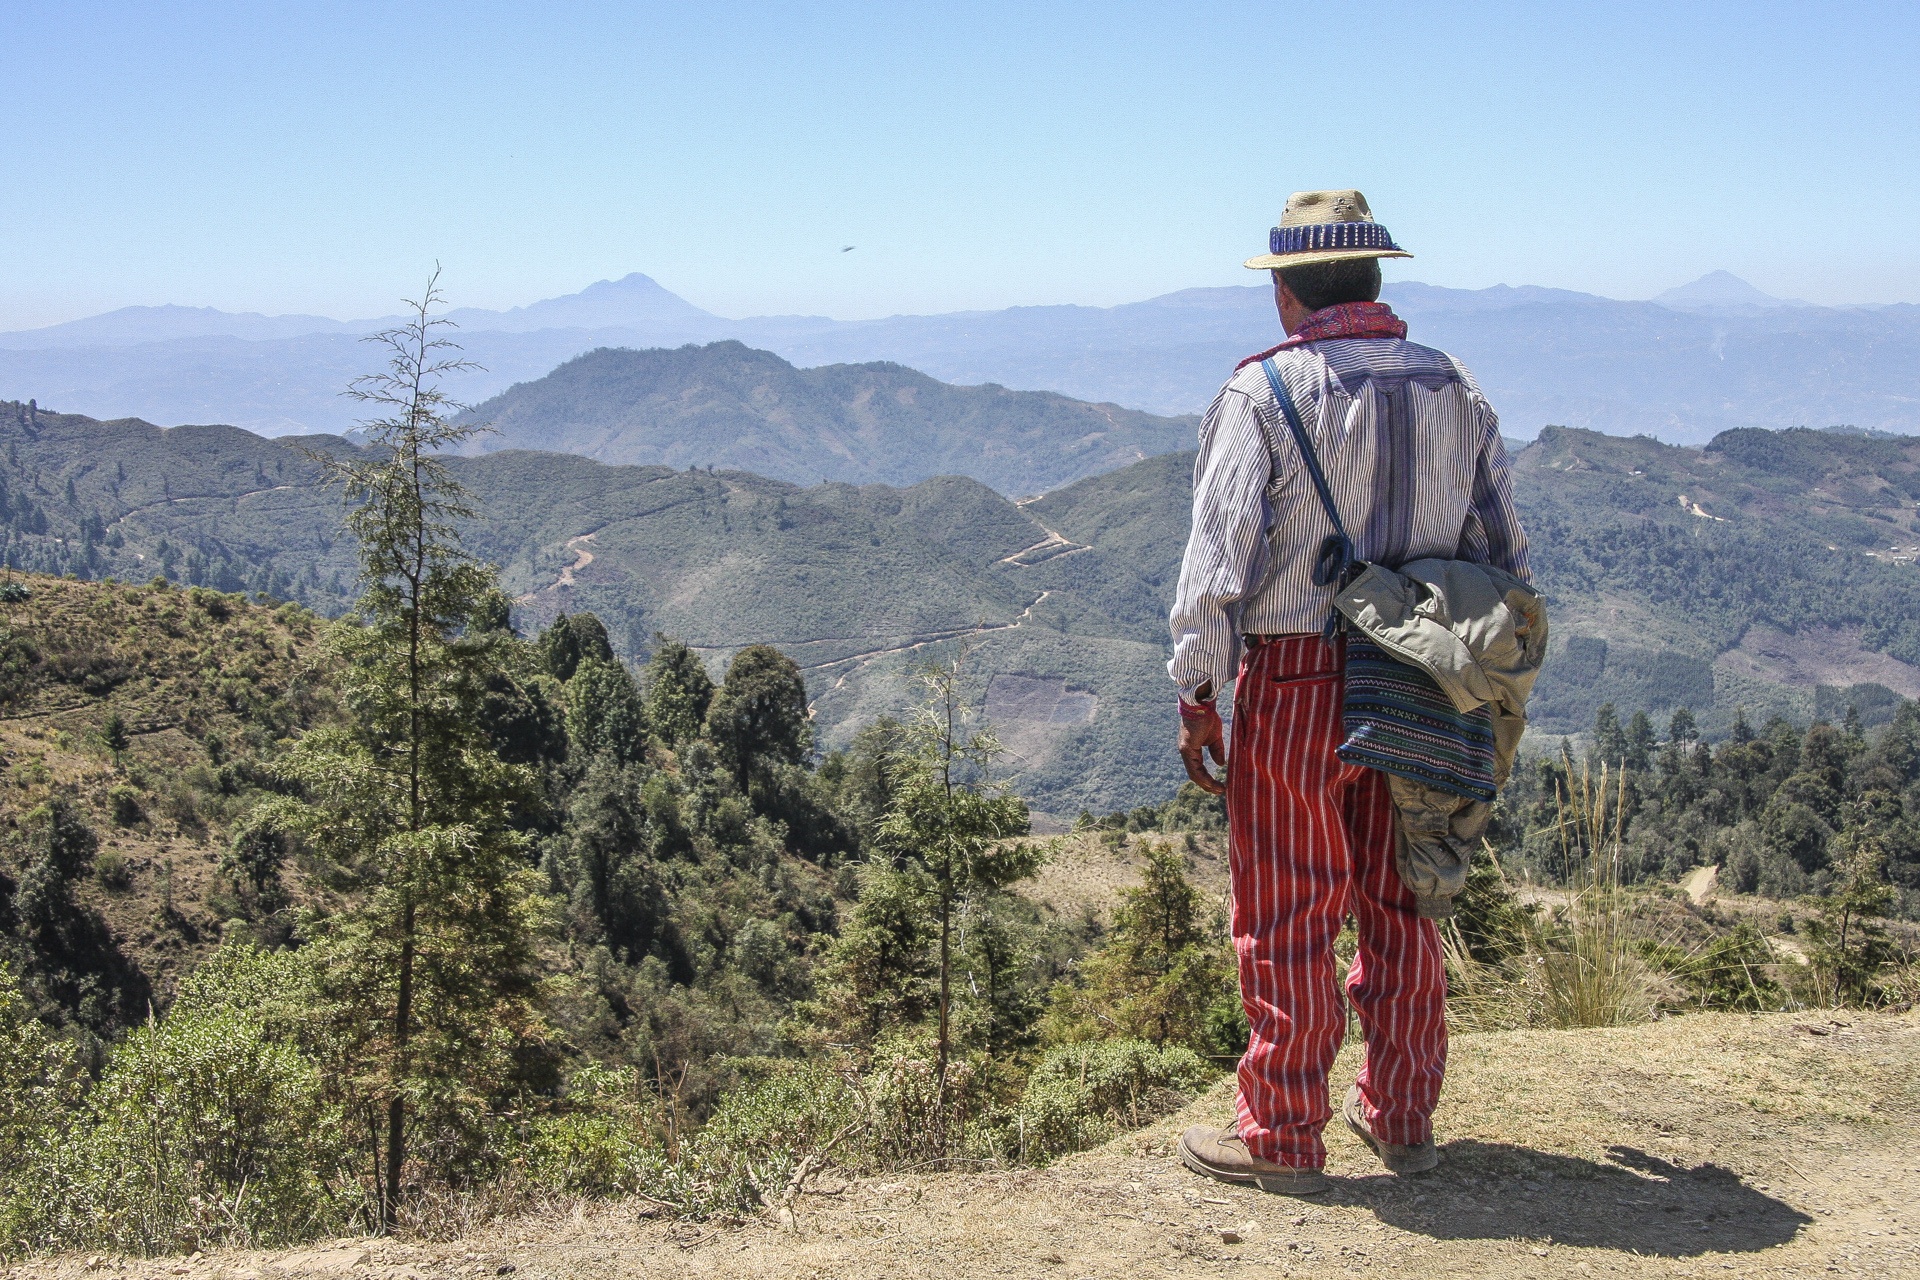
(1638, 1202)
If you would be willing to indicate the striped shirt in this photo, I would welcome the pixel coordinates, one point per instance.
(1411, 451)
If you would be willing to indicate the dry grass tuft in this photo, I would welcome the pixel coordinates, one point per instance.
(1579, 965)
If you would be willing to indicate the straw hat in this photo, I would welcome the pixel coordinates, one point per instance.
(1325, 226)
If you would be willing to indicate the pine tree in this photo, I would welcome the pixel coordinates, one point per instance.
(1849, 944)
(679, 691)
(1639, 742)
(758, 719)
(604, 713)
(1166, 975)
(1609, 740)
(1681, 727)
(114, 734)
(608, 870)
(573, 640)
(879, 973)
(952, 821)
(424, 1008)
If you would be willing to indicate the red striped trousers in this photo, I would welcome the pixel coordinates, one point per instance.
(1311, 843)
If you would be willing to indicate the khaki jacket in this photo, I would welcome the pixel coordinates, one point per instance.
(1481, 633)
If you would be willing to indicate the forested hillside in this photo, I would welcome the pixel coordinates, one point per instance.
(1771, 572)
(727, 405)
(412, 904)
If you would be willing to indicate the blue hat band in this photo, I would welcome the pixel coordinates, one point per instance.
(1330, 235)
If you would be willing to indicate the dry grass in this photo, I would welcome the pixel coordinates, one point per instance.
(1580, 966)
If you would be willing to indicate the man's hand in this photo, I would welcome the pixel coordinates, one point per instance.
(1201, 736)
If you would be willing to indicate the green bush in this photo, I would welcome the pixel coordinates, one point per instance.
(1082, 1094)
(762, 1130)
(606, 1142)
(124, 802)
(111, 869)
(205, 1128)
(1733, 971)
(40, 1084)
(203, 1131)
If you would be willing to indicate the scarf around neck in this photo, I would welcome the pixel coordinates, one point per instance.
(1348, 320)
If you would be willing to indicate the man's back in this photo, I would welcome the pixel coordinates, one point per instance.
(1411, 451)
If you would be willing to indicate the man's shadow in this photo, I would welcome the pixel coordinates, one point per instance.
(1494, 1191)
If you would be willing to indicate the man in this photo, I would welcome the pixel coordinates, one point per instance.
(1414, 464)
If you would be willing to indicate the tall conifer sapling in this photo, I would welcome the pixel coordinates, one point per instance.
(426, 980)
(950, 816)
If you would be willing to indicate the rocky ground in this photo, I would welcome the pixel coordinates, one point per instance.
(1715, 1145)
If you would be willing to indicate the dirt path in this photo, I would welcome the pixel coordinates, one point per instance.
(202, 497)
(861, 661)
(581, 559)
(1712, 1145)
(1052, 547)
(1700, 884)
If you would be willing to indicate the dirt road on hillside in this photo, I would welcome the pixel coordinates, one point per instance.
(1708, 1146)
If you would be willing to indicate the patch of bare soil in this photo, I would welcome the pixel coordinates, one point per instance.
(1084, 872)
(1700, 884)
(1713, 1145)
(1819, 655)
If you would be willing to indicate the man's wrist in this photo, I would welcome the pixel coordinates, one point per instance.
(1197, 710)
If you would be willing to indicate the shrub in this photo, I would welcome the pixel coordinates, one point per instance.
(1733, 971)
(205, 1128)
(112, 870)
(19, 658)
(40, 1085)
(204, 1131)
(605, 1144)
(124, 803)
(1081, 1094)
(762, 1132)
(216, 605)
(255, 854)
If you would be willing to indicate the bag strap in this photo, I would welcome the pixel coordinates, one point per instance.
(1336, 564)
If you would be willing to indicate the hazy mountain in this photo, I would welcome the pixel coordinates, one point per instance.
(1720, 289)
(730, 406)
(1770, 571)
(634, 302)
(1682, 370)
(130, 326)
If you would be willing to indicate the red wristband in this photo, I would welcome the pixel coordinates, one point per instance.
(1201, 711)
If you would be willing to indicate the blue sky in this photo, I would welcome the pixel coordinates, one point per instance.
(320, 158)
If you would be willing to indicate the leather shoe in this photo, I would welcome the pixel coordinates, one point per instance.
(1397, 1158)
(1219, 1153)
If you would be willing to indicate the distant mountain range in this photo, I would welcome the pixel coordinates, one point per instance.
(730, 406)
(1710, 356)
(1772, 572)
